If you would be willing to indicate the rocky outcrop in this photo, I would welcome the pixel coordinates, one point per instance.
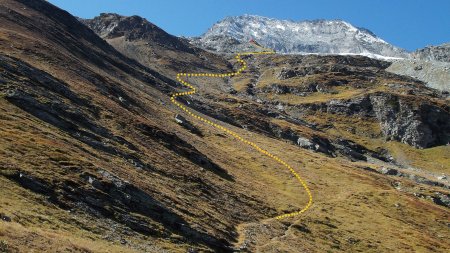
(297, 90)
(418, 123)
(433, 53)
(221, 43)
(315, 142)
(441, 199)
(311, 65)
(413, 121)
(311, 73)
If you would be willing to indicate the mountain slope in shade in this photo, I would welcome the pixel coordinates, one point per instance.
(319, 36)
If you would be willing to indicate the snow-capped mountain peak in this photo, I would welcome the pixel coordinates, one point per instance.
(286, 36)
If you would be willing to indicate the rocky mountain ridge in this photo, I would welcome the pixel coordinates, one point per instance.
(111, 25)
(284, 36)
(433, 53)
(140, 39)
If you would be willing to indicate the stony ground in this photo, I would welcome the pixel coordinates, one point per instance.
(435, 74)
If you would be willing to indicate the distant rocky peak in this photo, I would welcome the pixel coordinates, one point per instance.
(111, 25)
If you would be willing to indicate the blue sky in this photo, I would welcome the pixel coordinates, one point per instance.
(409, 24)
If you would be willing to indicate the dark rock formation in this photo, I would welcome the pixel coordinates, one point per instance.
(441, 199)
(4, 217)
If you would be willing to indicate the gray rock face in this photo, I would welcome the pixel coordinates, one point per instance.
(430, 65)
(433, 73)
(419, 125)
(433, 53)
(319, 36)
(305, 143)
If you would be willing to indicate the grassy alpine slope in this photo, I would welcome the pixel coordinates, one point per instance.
(92, 159)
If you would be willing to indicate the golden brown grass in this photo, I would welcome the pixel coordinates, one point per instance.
(436, 159)
(39, 240)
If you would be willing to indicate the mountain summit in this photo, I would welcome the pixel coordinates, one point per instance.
(112, 25)
(318, 36)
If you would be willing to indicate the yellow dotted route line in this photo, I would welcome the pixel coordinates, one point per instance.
(234, 134)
